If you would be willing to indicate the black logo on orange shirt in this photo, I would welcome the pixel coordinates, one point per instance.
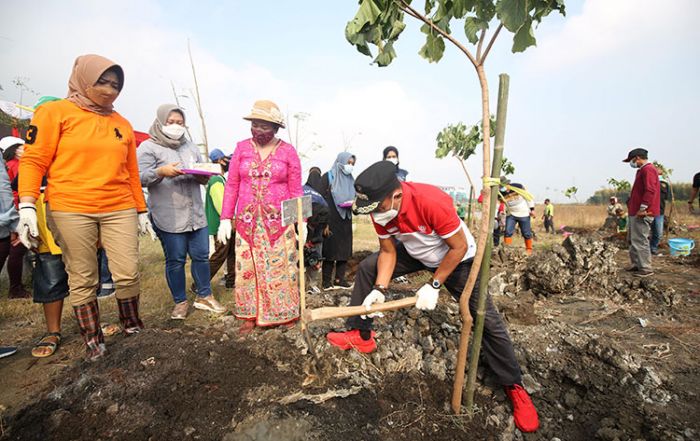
(118, 134)
(30, 137)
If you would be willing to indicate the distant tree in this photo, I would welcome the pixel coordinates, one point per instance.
(571, 193)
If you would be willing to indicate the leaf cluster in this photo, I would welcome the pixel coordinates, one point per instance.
(461, 141)
(621, 185)
(380, 23)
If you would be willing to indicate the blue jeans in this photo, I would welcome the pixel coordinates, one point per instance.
(524, 223)
(106, 286)
(657, 232)
(176, 247)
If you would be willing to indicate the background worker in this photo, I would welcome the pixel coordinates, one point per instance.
(520, 207)
(548, 216)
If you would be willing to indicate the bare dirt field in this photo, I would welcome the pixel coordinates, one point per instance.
(605, 355)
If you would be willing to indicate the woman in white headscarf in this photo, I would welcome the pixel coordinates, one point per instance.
(338, 188)
(176, 208)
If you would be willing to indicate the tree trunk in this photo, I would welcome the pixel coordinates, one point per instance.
(501, 110)
(481, 243)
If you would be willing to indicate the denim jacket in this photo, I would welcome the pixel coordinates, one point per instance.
(8, 213)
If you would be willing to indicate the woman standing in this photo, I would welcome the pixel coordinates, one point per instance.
(338, 188)
(391, 154)
(12, 149)
(263, 172)
(176, 208)
(94, 194)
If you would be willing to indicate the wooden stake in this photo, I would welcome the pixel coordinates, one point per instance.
(302, 277)
(486, 264)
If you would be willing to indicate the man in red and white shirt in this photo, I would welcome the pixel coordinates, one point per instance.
(419, 229)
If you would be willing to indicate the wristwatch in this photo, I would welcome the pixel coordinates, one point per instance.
(435, 284)
(380, 288)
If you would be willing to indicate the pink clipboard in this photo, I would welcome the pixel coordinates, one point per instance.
(190, 171)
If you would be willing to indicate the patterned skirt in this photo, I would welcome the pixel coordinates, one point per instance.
(267, 282)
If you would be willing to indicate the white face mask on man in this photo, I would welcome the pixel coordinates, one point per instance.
(385, 217)
(174, 131)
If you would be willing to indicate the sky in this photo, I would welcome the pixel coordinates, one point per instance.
(610, 76)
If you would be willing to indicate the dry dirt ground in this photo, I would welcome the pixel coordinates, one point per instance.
(605, 356)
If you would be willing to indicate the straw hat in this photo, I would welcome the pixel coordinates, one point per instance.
(267, 111)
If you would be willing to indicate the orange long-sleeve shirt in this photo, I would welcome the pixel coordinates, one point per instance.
(90, 160)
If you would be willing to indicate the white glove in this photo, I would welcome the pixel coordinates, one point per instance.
(373, 297)
(27, 227)
(145, 226)
(427, 298)
(224, 232)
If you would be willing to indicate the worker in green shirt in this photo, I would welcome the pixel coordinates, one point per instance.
(212, 209)
(548, 216)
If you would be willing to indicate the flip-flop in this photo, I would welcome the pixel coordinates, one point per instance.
(44, 343)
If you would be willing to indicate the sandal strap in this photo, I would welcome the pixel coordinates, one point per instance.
(51, 334)
(45, 344)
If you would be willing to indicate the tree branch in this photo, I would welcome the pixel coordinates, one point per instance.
(488, 48)
(482, 37)
(405, 7)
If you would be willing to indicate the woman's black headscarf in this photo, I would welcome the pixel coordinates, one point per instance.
(391, 148)
(314, 179)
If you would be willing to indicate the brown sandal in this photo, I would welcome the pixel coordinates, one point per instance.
(45, 342)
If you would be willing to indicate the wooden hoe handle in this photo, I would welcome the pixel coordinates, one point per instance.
(329, 312)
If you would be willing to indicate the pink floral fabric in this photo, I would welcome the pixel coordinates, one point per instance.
(257, 187)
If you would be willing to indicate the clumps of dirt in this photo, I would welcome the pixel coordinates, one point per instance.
(592, 388)
(579, 263)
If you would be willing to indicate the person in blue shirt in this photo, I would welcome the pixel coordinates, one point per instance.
(391, 154)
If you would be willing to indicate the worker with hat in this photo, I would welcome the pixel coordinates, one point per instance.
(419, 229)
(643, 205)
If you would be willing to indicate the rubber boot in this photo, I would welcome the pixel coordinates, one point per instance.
(129, 315)
(528, 246)
(508, 240)
(88, 317)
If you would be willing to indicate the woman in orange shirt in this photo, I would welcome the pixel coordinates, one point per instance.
(88, 153)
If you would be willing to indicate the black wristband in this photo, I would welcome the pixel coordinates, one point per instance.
(380, 288)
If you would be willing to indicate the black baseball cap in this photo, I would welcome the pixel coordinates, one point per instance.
(636, 152)
(373, 185)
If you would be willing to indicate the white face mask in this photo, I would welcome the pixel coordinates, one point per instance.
(386, 216)
(174, 131)
(394, 161)
(348, 168)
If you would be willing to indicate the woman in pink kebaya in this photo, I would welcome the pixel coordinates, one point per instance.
(263, 172)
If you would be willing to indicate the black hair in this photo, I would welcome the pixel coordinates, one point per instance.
(10, 152)
(390, 148)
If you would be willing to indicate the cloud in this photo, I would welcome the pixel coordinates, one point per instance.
(607, 27)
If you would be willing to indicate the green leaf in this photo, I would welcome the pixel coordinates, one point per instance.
(367, 14)
(386, 55)
(472, 27)
(433, 49)
(485, 9)
(397, 27)
(524, 38)
(512, 13)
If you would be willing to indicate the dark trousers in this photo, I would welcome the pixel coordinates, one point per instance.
(549, 224)
(327, 271)
(14, 255)
(224, 252)
(496, 345)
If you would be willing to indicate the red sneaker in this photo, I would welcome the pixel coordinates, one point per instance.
(351, 339)
(524, 412)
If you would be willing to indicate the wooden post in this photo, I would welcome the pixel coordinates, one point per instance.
(302, 277)
(486, 264)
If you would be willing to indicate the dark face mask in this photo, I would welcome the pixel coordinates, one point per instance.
(262, 138)
(225, 166)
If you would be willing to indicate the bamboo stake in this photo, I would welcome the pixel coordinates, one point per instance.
(486, 265)
(302, 278)
(198, 102)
